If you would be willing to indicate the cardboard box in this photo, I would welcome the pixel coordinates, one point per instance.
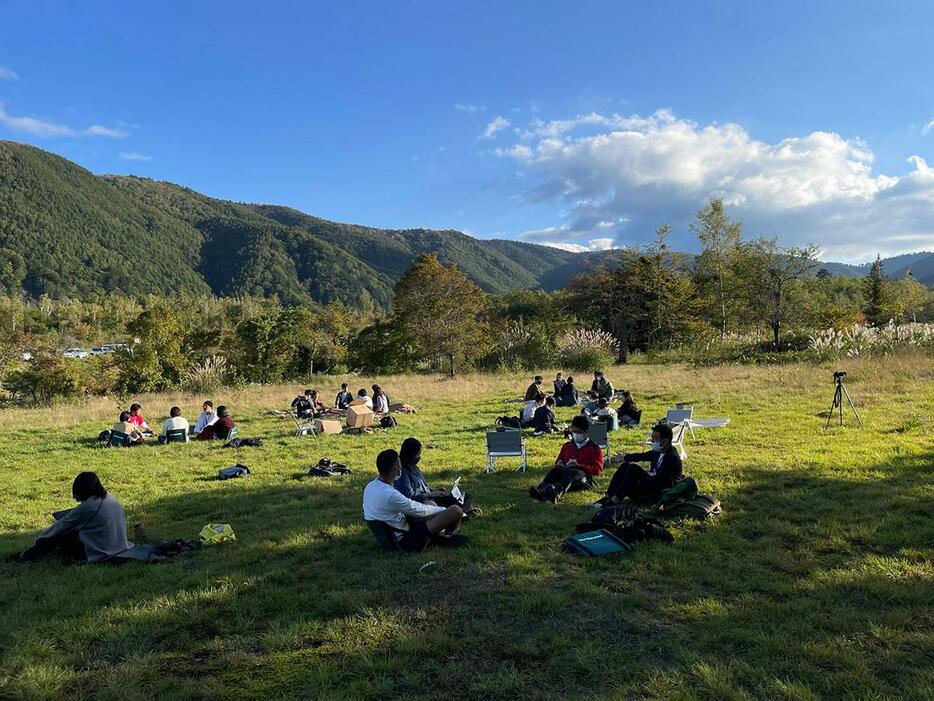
(327, 426)
(359, 416)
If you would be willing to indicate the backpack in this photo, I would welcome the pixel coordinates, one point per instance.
(328, 468)
(243, 443)
(684, 490)
(701, 507)
(388, 422)
(226, 473)
(595, 544)
(509, 422)
(626, 522)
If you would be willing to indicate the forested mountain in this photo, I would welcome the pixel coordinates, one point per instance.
(67, 232)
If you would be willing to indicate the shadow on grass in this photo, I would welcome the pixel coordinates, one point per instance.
(807, 584)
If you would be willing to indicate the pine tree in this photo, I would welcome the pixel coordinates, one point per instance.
(875, 295)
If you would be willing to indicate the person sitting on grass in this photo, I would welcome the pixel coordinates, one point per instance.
(527, 417)
(412, 483)
(568, 395)
(543, 421)
(206, 418)
(344, 397)
(632, 482)
(220, 429)
(602, 386)
(125, 425)
(628, 413)
(303, 405)
(136, 418)
(413, 523)
(93, 531)
(534, 389)
(559, 384)
(175, 422)
(380, 400)
(578, 463)
(362, 396)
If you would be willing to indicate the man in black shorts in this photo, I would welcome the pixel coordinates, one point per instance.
(414, 523)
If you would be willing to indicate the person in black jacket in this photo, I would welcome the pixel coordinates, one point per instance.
(633, 482)
(534, 388)
(543, 421)
(568, 395)
(304, 408)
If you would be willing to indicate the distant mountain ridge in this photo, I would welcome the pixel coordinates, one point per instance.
(67, 232)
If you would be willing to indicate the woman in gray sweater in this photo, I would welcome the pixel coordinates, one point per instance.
(93, 531)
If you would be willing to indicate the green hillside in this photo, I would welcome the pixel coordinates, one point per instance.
(67, 232)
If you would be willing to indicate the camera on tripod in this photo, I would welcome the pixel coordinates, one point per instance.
(839, 375)
(838, 396)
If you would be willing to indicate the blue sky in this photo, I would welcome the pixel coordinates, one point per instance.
(584, 125)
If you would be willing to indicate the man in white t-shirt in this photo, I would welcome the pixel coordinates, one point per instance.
(208, 417)
(414, 523)
(174, 422)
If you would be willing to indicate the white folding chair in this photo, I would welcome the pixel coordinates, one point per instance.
(677, 438)
(681, 415)
(303, 428)
(503, 444)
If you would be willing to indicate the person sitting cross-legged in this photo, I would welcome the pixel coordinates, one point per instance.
(220, 429)
(543, 421)
(206, 418)
(344, 397)
(304, 406)
(632, 482)
(125, 425)
(578, 463)
(568, 394)
(527, 416)
(413, 523)
(175, 422)
(412, 483)
(601, 386)
(534, 389)
(628, 413)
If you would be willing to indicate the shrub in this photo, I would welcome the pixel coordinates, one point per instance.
(584, 350)
(859, 340)
(521, 346)
(206, 376)
(44, 380)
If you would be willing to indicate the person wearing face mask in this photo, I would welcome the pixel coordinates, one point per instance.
(633, 482)
(412, 483)
(577, 464)
(412, 522)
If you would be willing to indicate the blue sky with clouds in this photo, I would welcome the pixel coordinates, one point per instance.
(583, 125)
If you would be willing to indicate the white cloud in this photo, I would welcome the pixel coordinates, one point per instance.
(134, 156)
(927, 127)
(497, 124)
(7, 73)
(46, 128)
(629, 174)
(469, 108)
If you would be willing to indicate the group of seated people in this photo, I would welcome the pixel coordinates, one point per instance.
(401, 499)
(580, 462)
(210, 425)
(538, 412)
(308, 405)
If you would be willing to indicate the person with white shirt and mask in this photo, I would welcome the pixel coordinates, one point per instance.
(413, 523)
(639, 485)
(208, 416)
(175, 422)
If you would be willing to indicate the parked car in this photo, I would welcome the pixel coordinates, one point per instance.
(76, 353)
(111, 347)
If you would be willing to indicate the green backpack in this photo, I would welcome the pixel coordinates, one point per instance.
(683, 501)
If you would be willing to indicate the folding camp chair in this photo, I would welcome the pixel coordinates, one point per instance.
(118, 439)
(176, 435)
(681, 414)
(598, 435)
(302, 427)
(505, 443)
(386, 536)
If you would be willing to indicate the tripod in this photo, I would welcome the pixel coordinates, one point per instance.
(838, 395)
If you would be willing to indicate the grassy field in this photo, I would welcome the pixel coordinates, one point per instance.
(816, 582)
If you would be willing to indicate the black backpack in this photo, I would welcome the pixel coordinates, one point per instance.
(509, 422)
(626, 522)
(388, 422)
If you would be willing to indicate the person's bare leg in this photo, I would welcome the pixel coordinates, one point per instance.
(447, 520)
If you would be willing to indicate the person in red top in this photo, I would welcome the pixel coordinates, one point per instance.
(578, 463)
(136, 418)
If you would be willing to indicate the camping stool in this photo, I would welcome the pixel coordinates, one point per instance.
(506, 443)
(118, 439)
